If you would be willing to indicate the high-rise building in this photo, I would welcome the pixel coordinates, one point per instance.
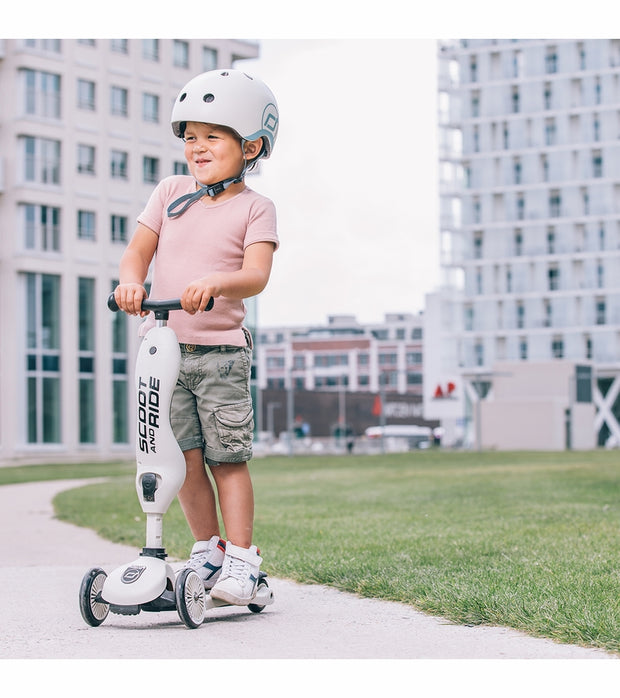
(529, 138)
(84, 138)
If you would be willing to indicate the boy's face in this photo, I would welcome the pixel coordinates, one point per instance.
(213, 153)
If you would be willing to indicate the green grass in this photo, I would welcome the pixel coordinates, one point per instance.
(525, 540)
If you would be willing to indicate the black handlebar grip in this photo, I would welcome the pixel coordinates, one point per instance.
(112, 304)
(173, 304)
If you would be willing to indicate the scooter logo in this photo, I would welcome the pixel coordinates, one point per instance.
(132, 574)
(148, 413)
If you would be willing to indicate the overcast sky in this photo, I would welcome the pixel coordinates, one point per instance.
(353, 176)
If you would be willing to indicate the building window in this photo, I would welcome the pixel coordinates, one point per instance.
(473, 69)
(547, 95)
(478, 244)
(86, 94)
(475, 103)
(180, 168)
(551, 60)
(86, 225)
(150, 170)
(416, 333)
(550, 132)
(118, 228)
(555, 204)
(52, 45)
(553, 278)
(468, 320)
(600, 274)
(180, 54)
(41, 227)
(150, 107)
(544, 167)
(209, 58)
(118, 164)
(557, 348)
(597, 163)
(41, 160)
(581, 56)
(150, 49)
(520, 315)
(479, 353)
(119, 45)
(547, 313)
(523, 349)
(43, 413)
(596, 127)
(516, 171)
(520, 206)
(518, 242)
(600, 311)
(516, 100)
(41, 93)
(119, 100)
(86, 159)
(551, 240)
(86, 360)
(120, 416)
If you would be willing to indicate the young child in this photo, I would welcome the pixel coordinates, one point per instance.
(211, 236)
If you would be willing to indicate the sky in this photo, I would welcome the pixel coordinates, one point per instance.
(353, 176)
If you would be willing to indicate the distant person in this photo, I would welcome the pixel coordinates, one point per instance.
(212, 236)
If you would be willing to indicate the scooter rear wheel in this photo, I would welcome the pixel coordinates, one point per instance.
(93, 612)
(190, 598)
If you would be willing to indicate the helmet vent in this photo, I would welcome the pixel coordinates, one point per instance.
(183, 96)
(208, 98)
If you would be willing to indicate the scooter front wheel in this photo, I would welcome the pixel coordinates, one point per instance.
(94, 611)
(189, 592)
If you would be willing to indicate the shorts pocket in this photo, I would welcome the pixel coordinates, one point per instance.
(235, 426)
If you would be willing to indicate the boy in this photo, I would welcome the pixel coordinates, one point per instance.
(211, 236)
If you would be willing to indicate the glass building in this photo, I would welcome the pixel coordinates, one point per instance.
(84, 138)
(529, 151)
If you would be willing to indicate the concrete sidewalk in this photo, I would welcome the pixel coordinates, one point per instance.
(43, 561)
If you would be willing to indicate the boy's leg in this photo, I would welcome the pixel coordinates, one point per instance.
(238, 580)
(236, 497)
(197, 498)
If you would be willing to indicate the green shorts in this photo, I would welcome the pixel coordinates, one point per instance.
(212, 405)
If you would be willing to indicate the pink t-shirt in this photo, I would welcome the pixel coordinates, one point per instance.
(204, 239)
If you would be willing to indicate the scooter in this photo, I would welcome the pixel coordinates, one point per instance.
(149, 583)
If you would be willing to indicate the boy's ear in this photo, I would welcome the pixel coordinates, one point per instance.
(252, 149)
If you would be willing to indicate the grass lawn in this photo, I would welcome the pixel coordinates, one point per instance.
(525, 540)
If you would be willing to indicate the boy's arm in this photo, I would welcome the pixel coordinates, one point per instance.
(250, 280)
(133, 268)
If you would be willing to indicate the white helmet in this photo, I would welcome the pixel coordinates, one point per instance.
(229, 98)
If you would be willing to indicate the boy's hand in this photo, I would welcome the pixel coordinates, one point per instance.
(129, 298)
(197, 295)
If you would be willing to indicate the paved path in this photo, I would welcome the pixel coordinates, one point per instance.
(43, 561)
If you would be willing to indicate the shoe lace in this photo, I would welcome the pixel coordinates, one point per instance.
(197, 560)
(236, 568)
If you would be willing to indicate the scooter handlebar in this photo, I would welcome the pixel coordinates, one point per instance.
(147, 304)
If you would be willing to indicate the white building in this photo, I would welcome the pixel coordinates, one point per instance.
(84, 138)
(530, 212)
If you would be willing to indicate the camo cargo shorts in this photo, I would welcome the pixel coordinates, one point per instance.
(212, 405)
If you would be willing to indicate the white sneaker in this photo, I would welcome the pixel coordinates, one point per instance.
(238, 581)
(206, 559)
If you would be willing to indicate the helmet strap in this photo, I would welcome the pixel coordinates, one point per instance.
(206, 189)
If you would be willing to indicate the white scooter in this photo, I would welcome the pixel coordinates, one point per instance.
(148, 583)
